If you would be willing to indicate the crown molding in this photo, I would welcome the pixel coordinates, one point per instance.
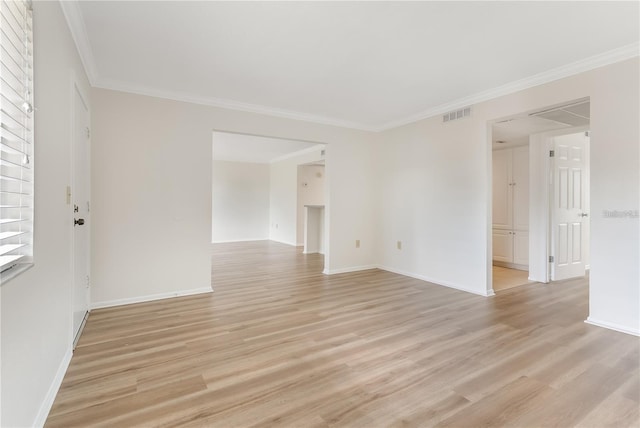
(228, 104)
(581, 66)
(73, 15)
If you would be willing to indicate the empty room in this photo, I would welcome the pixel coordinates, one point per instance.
(296, 214)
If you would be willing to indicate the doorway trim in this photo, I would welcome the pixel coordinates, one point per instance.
(327, 185)
(540, 240)
(77, 90)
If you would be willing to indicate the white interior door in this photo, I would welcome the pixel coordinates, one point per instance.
(80, 197)
(569, 213)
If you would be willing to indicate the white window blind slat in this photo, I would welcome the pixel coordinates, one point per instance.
(9, 235)
(7, 147)
(16, 137)
(7, 248)
(13, 111)
(11, 137)
(7, 262)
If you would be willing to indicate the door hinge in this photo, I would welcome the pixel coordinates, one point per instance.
(88, 281)
(586, 133)
(88, 132)
(552, 153)
(550, 259)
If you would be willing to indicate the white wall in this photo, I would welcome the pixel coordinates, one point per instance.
(36, 306)
(284, 195)
(311, 191)
(240, 201)
(433, 199)
(614, 289)
(435, 191)
(152, 187)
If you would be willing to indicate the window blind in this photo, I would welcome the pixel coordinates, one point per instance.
(16, 136)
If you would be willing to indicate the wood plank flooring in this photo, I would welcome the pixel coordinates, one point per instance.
(280, 344)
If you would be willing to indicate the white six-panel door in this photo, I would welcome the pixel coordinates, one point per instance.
(569, 213)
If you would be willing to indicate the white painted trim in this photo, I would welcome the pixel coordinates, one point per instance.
(47, 403)
(239, 240)
(489, 293)
(581, 66)
(150, 298)
(73, 15)
(298, 153)
(76, 88)
(612, 326)
(134, 88)
(349, 269)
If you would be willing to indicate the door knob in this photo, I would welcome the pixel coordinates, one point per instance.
(583, 215)
(78, 222)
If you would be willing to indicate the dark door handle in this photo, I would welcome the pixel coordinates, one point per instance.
(78, 222)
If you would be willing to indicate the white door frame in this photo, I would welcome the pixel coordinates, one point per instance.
(540, 241)
(327, 188)
(77, 90)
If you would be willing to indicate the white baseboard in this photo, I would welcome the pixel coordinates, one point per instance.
(150, 298)
(47, 403)
(488, 293)
(349, 269)
(612, 326)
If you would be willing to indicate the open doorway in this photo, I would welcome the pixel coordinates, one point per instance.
(310, 206)
(532, 192)
(256, 189)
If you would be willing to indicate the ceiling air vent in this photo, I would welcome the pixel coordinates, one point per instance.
(458, 114)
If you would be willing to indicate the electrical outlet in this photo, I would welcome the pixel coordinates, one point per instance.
(399, 245)
(357, 243)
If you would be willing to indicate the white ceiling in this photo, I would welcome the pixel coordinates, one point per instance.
(367, 65)
(251, 148)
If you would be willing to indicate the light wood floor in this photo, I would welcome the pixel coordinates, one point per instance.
(280, 344)
(504, 278)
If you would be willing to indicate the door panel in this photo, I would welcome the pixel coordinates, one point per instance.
(521, 247)
(502, 245)
(576, 245)
(502, 189)
(80, 196)
(520, 187)
(569, 215)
